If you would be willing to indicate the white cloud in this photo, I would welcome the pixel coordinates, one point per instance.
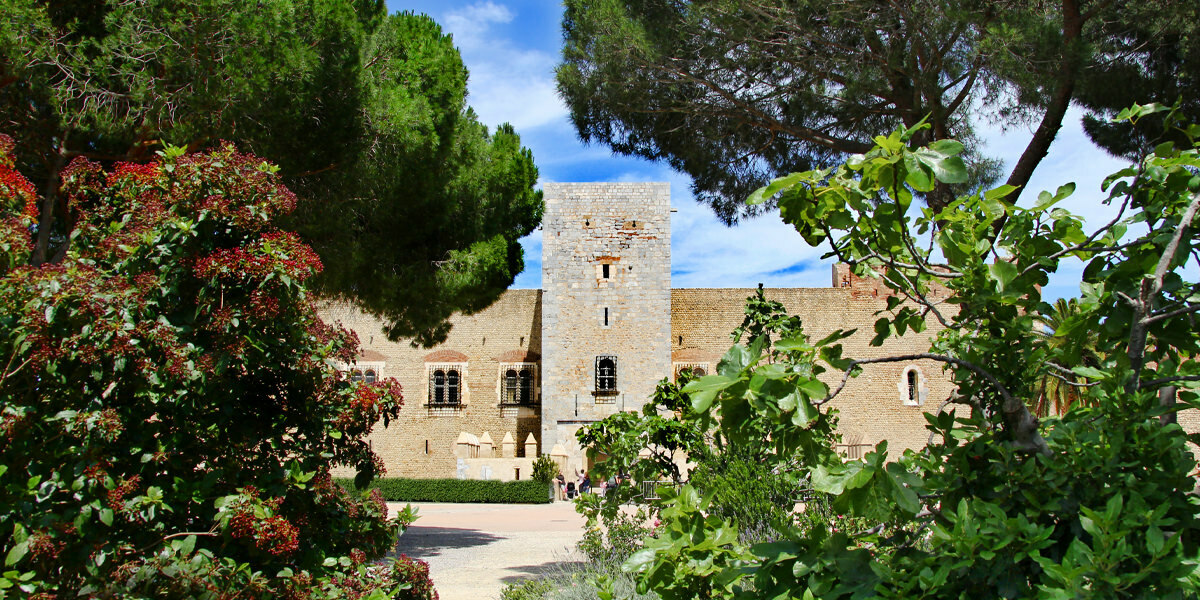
(470, 24)
(508, 84)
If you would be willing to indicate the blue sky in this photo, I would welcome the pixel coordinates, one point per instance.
(511, 48)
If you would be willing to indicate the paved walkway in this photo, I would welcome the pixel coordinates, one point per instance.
(473, 550)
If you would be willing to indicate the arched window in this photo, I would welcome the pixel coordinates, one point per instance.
(510, 386)
(526, 376)
(606, 373)
(912, 386)
(438, 390)
(698, 371)
(452, 387)
(369, 377)
(356, 375)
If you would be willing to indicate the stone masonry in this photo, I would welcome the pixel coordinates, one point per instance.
(606, 280)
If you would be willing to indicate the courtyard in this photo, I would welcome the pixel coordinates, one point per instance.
(474, 550)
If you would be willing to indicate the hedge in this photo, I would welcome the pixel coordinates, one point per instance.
(397, 489)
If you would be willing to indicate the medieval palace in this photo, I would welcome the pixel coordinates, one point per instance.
(519, 378)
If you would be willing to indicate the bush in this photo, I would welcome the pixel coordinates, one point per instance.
(395, 489)
(159, 375)
(748, 492)
(544, 469)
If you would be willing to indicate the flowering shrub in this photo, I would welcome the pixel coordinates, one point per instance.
(170, 405)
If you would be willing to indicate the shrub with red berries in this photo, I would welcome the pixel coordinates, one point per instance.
(169, 410)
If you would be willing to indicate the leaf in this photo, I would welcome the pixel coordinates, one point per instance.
(777, 185)
(639, 561)
(1089, 372)
(1003, 272)
(189, 544)
(106, 516)
(704, 390)
(16, 554)
(813, 388)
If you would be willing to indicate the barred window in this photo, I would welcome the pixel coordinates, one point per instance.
(510, 386)
(526, 380)
(606, 373)
(437, 391)
(444, 386)
(452, 387)
(369, 376)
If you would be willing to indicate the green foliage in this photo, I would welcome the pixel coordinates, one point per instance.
(1095, 503)
(609, 544)
(413, 204)
(544, 469)
(748, 492)
(772, 87)
(529, 589)
(169, 405)
(397, 489)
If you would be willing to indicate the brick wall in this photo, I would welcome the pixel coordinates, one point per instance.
(872, 407)
(509, 328)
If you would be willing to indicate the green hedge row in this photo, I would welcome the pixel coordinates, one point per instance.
(396, 489)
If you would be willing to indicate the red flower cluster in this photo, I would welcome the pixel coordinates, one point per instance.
(44, 547)
(134, 173)
(273, 253)
(415, 572)
(274, 535)
(17, 193)
(230, 186)
(116, 496)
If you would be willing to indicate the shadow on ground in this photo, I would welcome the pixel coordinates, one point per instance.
(554, 567)
(424, 542)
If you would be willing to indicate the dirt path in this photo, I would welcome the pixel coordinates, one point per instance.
(473, 550)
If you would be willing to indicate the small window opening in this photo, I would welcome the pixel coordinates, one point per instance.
(606, 373)
(912, 387)
(517, 474)
(452, 387)
(426, 446)
(370, 376)
(526, 377)
(606, 316)
(356, 375)
(510, 386)
(439, 387)
(681, 340)
(604, 269)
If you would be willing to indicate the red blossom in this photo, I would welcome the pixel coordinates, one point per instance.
(272, 254)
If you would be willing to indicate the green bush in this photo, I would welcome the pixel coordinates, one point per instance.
(748, 491)
(395, 489)
(544, 469)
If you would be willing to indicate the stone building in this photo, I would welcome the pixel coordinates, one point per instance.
(519, 378)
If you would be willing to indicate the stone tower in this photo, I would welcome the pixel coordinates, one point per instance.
(606, 303)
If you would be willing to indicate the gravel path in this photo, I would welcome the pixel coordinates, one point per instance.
(473, 550)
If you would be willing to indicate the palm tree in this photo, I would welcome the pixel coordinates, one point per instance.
(1059, 389)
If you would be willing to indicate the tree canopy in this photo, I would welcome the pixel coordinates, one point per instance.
(414, 206)
(734, 93)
